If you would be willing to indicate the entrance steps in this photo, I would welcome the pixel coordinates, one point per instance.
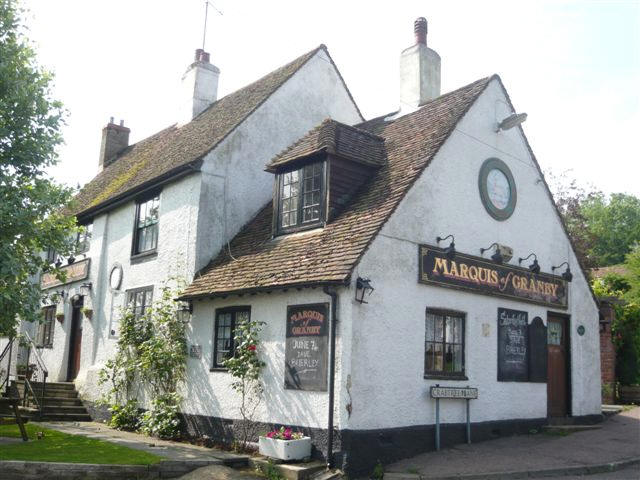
(61, 402)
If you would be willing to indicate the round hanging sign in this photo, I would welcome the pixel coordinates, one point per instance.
(497, 188)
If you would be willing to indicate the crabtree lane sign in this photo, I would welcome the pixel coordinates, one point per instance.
(454, 392)
(467, 272)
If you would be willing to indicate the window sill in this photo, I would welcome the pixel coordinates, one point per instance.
(144, 256)
(435, 376)
(218, 369)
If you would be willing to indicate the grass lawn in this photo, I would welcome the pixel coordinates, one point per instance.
(62, 447)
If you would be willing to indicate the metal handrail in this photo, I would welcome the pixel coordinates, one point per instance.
(7, 351)
(27, 382)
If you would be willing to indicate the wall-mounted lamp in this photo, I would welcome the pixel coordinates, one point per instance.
(567, 275)
(450, 251)
(185, 309)
(59, 294)
(85, 288)
(71, 259)
(58, 263)
(511, 121)
(363, 285)
(497, 255)
(534, 267)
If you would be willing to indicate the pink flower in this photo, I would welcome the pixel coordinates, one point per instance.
(251, 348)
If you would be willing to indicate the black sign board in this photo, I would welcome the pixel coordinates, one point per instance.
(513, 329)
(537, 351)
(484, 276)
(306, 347)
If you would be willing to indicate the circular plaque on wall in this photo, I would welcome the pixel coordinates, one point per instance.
(497, 188)
(115, 277)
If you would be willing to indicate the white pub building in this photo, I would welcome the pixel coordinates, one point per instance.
(415, 250)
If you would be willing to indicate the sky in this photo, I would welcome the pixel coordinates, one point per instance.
(573, 67)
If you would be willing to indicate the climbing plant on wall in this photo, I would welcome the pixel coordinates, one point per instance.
(151, 358)
(245, 366)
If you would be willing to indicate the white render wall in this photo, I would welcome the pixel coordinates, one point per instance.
(313, 93)
(389, 332)
(193, 214)
(111, 244)
(210, 394)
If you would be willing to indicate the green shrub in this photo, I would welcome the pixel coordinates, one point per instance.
(124, 417)
(162, 419)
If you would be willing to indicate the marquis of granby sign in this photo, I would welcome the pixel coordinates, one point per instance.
(484, 276)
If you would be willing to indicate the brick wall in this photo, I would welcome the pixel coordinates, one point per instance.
(607, 353)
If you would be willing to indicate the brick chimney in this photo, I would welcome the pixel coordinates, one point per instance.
(419, 71)
(115, 138)
(199, 87)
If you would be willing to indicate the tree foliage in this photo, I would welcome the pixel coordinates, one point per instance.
(603, 229)
(626, 326)
(31, 205)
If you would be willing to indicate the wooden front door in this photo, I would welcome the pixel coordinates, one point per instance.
(75, 341)
(557, 367)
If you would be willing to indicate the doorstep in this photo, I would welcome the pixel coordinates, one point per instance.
(289, 471)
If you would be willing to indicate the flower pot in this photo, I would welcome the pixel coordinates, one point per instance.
(285, 449)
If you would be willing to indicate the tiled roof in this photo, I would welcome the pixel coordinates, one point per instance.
(328, 255)
(335, 138)
(174, 149)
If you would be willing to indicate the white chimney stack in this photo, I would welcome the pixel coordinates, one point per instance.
(419, 71)
(199, 87)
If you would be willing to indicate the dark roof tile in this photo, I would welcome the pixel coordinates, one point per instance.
(328, 255)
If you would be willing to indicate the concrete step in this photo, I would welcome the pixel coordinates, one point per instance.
(65, 409)
(62, 401)
(289, 471)
(57, 393)
(58, 417)
(55, 385)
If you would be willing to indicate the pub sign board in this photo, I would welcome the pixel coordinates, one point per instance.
(74, 272)
(306, 350)
(513, 343)
(483, 276)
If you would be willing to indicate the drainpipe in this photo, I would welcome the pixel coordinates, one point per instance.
(332, 370)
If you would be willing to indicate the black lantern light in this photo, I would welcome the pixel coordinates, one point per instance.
(185, 309)
(85, 288)
(450, 251)
(534, 267)
(567, 275)
(363, 285)
(58, 263)
(497, 255)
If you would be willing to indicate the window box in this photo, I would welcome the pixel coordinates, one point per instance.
(285, 449)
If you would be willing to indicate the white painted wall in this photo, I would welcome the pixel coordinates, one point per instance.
(389, 332)
(193, 213)
(314, 93)
(209, 393)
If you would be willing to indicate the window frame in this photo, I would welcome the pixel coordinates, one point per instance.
(442, 374)
(300, 225)
(86, 238)
(42, 333)
(52, 255)
(215, 366)
(134, 291)
(135, 253)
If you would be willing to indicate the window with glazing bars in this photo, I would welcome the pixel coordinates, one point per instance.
(83, 241)
(444, 343)
(301, 193)
(146, 228)
(224, 332)
(44, 336)
(139, 300)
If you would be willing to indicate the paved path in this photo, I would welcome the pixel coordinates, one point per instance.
(163, 448)
(617, 440)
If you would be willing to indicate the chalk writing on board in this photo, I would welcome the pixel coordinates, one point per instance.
(512, 345)
(306, 347)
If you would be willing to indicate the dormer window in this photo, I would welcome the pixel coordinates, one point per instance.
(301, 198)
(318, 175)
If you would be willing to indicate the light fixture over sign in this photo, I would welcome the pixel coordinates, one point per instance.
(567, 275)
(450, 251)
(363, 285)
(535, 266)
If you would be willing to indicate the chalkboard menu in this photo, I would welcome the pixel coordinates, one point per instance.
(537, 351)
(512, 345)
(306, 351)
